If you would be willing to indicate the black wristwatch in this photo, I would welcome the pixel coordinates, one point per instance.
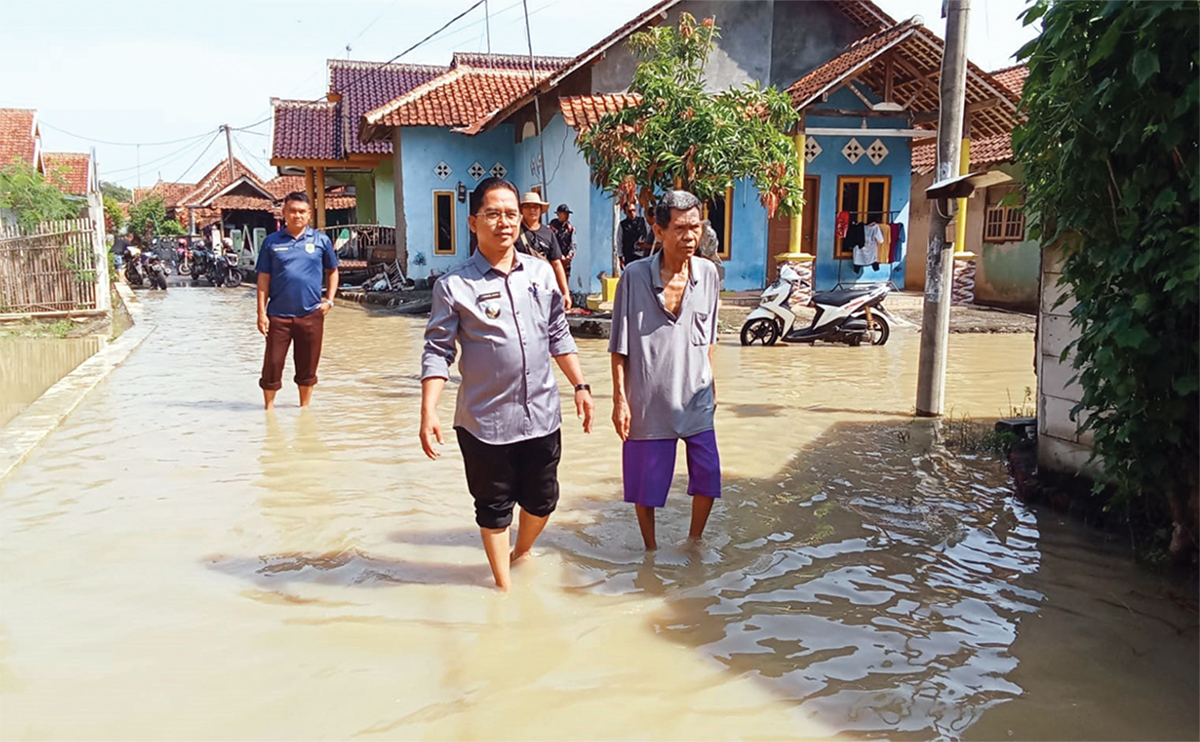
(583, 387)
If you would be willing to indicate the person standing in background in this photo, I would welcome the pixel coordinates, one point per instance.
(564, 232)
(538, 240)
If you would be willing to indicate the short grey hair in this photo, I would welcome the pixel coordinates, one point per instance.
(678, 200)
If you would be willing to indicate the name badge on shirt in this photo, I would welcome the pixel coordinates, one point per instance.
(488, 297)
(310, 247)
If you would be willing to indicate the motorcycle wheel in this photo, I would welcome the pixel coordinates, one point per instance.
(185, 268)
(762, 330)
(878, 330)
(234, 279)
(162, 281)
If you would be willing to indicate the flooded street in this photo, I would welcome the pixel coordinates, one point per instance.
(177, 563)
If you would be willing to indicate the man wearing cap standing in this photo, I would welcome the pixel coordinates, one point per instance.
(564, 232)
(538, 240)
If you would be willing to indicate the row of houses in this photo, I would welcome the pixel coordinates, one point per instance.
(73, 173)
(411, 140)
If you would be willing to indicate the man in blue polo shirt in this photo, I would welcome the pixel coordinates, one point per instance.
(294, 265)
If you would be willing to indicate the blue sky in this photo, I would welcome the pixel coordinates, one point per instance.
(158, 70)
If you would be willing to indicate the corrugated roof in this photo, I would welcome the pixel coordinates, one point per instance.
(18, 135)
(74, 168)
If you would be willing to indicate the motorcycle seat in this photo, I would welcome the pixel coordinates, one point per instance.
(839, 297)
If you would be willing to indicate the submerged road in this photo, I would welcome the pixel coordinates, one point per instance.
(176, 563)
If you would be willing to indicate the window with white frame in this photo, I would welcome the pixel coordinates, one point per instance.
(1003, 221)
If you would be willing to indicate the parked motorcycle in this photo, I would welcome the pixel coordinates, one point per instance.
(851, 317)
(156, 271)
(203, 265)
(183, 258)
(134, 272)
(226, 270)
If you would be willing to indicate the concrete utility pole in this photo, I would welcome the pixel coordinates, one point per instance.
(939, 266)
(229, 150)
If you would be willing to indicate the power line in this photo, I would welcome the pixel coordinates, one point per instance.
(123, 144)
(164, 159)
(206, 148)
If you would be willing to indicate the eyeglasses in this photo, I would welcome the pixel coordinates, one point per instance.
(491, 217)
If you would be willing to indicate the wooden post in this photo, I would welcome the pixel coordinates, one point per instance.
(398, 198)
(320, 205)
(309, 188)
(939, 259)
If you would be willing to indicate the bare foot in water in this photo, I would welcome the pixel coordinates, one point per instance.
(514, 558)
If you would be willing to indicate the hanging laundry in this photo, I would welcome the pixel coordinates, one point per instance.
(869, 252)
(854, 237)
(841, 224)
(885, 249)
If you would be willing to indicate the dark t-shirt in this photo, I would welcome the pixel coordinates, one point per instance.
(120, 246)
(564, 232)
(633, 231)
(539, 242)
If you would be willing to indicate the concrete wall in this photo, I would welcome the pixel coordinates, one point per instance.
(424, 148)
(1060, 448)
(567, 181)
(364, 195)
(805, 35)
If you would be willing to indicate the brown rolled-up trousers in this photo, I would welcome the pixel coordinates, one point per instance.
(306, 333)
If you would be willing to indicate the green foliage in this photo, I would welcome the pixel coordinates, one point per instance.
(114, 218)
(148, 217)
(31, 197)
(118, 193)
(172, 228)
(681, 133)
(1110, 155)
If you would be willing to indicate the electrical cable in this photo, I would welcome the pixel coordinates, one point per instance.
(163, 160)
(123, 144)
(208, 147)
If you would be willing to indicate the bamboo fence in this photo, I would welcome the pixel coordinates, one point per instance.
(52, 268)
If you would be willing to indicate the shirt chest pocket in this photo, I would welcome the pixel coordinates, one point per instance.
(701, 329)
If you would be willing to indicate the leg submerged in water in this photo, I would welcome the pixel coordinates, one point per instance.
(495, 543)
(531, 527)
(645, 517)
(701, 507)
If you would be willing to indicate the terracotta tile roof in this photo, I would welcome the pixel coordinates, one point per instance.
(827, 76)
(306, 130)
(170, 192)
(282, 185)
(18, 135)
(507, 61)
(921, 50)
(75, 168)
(869, 15)
(988, 151)
(217, 179)
(1013, 77)
(584, 111)
(364, 86)
(243, 202)
(459, 98)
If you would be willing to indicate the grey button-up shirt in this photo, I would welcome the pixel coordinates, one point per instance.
(508, 327)
(668, 377)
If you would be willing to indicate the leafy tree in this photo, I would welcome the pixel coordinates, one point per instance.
(118, 193)
(114, 218)
(148, 217)
(679, 133)
(172, 227)
(28, 194)
(1110, 155)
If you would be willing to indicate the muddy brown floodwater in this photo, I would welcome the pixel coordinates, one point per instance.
(177, 564)
(30, 366)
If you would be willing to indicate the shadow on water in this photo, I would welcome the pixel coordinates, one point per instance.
(347, 568)
(894, 589)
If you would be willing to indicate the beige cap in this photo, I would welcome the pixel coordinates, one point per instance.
(531, 197)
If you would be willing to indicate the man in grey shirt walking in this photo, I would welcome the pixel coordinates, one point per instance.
(505, 312)
(664, 329)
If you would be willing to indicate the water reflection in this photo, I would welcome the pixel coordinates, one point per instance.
(308, 574)
(30, 366)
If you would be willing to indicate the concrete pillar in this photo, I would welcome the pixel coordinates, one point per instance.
(960, 219)
(796, 238)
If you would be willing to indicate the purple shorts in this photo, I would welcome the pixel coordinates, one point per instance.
(649, 466)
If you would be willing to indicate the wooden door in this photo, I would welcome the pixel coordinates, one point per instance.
(779, 229)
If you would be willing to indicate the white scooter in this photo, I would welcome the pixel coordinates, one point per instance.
(850, 317)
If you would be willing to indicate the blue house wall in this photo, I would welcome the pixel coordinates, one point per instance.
(423, 149)
(831, 163)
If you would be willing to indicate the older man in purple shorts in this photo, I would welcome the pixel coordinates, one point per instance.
(664, 328)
